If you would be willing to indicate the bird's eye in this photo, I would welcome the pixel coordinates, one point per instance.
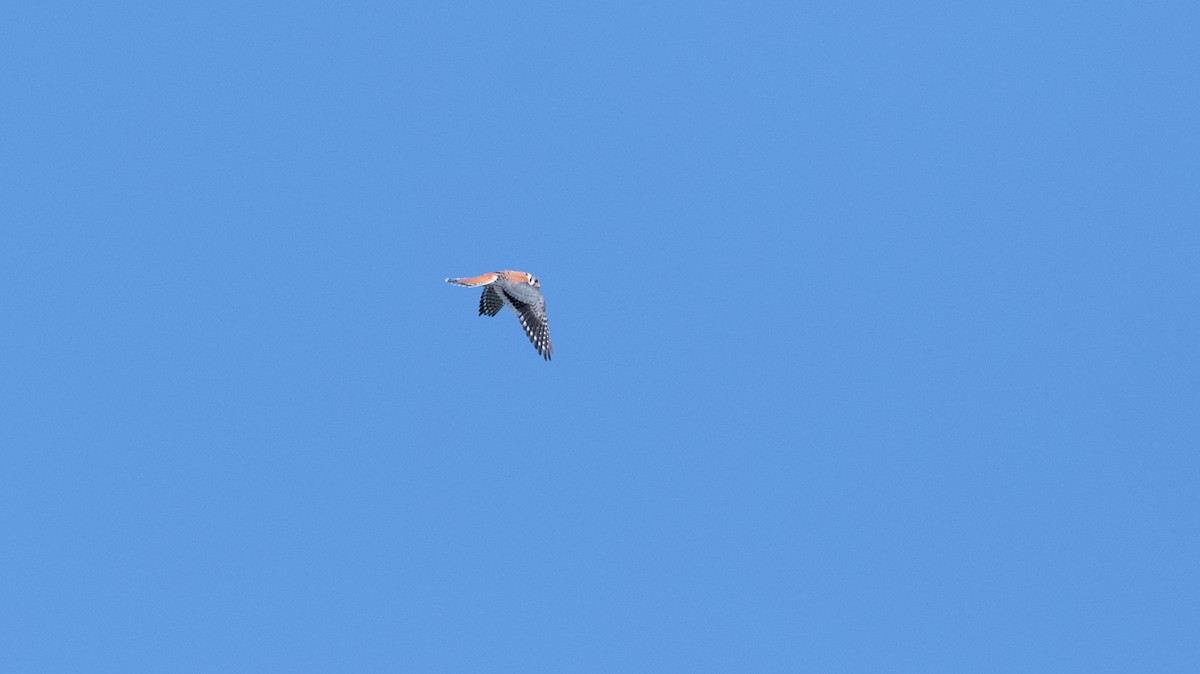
(532, 281)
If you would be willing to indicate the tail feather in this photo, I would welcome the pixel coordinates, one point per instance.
(481, 280)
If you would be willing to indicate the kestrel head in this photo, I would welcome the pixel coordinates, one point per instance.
(533, 281)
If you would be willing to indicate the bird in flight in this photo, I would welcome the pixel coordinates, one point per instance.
(522, 292)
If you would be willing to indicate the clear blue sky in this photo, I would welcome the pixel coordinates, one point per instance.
(875, 334)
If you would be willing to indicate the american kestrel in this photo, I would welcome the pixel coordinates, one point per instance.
(522, 292)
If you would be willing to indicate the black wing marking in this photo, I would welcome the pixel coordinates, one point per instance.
(533, 320)
(490, 302)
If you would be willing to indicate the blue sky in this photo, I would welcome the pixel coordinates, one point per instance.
(875, 337)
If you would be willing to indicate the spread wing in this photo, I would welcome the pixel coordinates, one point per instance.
(490, 302)
(531, 311)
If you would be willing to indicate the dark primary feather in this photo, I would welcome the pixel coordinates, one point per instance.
(490, 303)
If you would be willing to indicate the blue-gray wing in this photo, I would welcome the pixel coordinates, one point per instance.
(490, 303)
(531, 311)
